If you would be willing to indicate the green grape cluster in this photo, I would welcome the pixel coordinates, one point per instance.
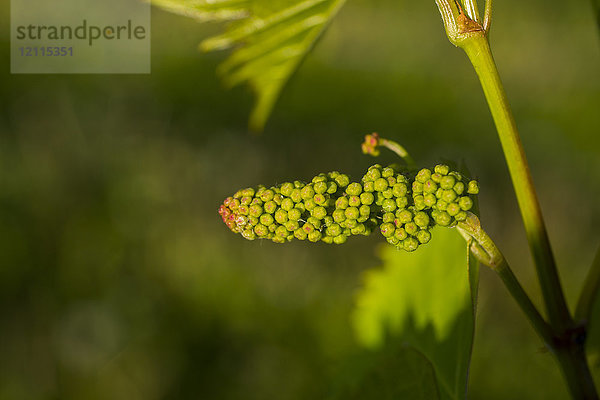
(305, 211)
(331, 208)
(446, 193)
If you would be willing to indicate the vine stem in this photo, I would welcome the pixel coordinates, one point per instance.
(567, 339)
(480, 55)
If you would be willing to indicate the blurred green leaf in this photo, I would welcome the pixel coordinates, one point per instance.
(411, 373)
(206, 10)
(427, 300)
(271, 40)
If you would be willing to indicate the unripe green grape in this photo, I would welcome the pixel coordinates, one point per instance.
(266, 219)
(281, 231)
(339, 215)
(364, 210)
(448, 195)
(314, 236)
(442, 169)
(314, 222)
(327, 239)
(243, 209)
(354, 201)
(261, 230)
(300, 234)
(388, 172)
(441, 218)
(292, 225)
(331, 187)
(388, 205)
(392, 240)
(319, 212)
(423, 175)
(309, 204)
(421, 219)
(354, 189)
(401, 202)
(319, 178)
(286, 188)
(367, 198)
(436, 177)
(246, 200)
(341, 203)
(342, 180)
(267, 195)
(404, 216)
(255, 210)
(307, 192)
(459, 188)
(441, 205)
(465, 203)
(320, 199)
(373, 173)
(419, 201)
(328, 220)
(411, 228)
(300, 206)
(387, 229)
(281, 216)
(387, 193)
(410, 244)
(294, 214)
(417, 187)
(473, 187)
(453, 209)
(391, 181)
(399, 189)
(369, 186)
(423, 236)
(308, 227)
(249, 192)
(340, 239)
(298, 184)
(296, 195)
(278, 198)
(253, 221)
(400, 234)
(429, 200)
(334, 230)
(388, 217)
(272, 228)
(358, 229)
(277, 239)
(380, 185)
(447, 182)
(249, 234)
(287, 204)
(350, 223)
(351, 213)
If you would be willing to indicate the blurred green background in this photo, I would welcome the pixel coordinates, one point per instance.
(118, 279)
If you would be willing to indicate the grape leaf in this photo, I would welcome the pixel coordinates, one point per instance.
(424, 299)
(270, 39)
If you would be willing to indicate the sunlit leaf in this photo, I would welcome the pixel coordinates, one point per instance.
(270, 40)
(425, 299)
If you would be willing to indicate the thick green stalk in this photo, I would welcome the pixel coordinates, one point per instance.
(485, 250)
(477, 48)
(591, 286)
